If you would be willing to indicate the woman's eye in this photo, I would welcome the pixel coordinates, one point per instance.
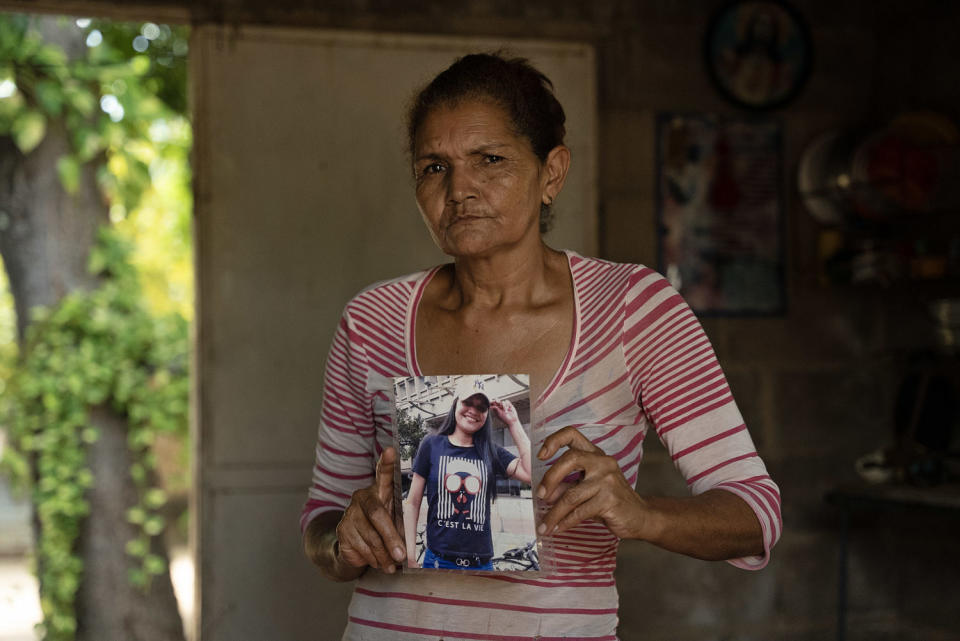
(432, 168)
(492, 159)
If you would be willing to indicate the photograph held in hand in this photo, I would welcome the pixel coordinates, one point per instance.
(465, 472)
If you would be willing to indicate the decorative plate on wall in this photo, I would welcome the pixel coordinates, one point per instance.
(758, 52)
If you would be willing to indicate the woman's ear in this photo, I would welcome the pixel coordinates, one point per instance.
(555, 169)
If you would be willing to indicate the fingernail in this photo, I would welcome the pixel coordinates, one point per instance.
(541, 492)
(398, 554)
(541, 454)
(541, 528)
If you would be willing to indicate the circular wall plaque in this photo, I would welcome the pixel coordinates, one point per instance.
(758, 52)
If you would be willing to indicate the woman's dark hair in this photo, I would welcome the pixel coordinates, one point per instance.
(514, 85)
(482, 443)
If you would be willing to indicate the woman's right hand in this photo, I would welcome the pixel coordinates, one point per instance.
(366, 533)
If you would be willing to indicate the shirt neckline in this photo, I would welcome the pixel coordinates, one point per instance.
(414, 305)
(452, 444)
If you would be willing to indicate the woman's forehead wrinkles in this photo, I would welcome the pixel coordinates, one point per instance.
(466, 130)
(443, 148)
(481, 149)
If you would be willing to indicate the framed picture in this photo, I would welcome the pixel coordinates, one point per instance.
(465, 473)
(758, 53)
(719, 210)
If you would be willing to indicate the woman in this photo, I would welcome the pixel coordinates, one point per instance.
(462, 464)
(612, 352)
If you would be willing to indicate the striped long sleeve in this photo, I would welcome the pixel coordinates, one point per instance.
(355, 415)
(683, 392)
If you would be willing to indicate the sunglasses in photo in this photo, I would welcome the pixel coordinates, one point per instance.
(454, 482)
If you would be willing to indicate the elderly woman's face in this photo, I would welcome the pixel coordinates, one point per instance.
(479, 185)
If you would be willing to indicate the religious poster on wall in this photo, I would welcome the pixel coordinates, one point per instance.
(758, 52)
(719, 209)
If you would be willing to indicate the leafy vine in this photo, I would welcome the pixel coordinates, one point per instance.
(101, 347)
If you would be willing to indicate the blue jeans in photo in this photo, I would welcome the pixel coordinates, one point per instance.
(431, 560)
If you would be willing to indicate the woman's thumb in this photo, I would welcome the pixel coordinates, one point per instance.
(385, 475)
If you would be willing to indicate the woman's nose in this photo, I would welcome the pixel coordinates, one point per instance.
(460, 184)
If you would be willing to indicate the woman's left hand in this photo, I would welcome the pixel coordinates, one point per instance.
(505, 411)
(602, 492)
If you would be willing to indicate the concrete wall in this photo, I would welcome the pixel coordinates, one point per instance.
(816, 384)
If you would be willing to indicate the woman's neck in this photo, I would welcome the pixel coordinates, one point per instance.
(460, 439)
(521, 278)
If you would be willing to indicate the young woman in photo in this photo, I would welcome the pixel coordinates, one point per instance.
(458, 467)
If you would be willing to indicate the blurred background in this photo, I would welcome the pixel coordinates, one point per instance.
(791, 167)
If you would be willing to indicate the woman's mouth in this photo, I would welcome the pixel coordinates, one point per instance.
(464, 218)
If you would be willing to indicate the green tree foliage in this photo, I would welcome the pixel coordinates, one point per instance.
(125, 111)
(8, 333)
(410, 432)
(108, 99)
(122, 101)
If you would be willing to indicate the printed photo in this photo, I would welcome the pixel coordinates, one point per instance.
(465, 472)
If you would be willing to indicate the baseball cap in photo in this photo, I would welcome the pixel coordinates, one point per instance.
(467, 386)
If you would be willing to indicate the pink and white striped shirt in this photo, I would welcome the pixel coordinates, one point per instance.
(638, 358)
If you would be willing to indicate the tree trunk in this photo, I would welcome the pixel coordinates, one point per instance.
(45, 233)
(45, 239)
(108, 607)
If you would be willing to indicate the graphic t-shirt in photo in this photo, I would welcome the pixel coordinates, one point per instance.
(458, 496)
